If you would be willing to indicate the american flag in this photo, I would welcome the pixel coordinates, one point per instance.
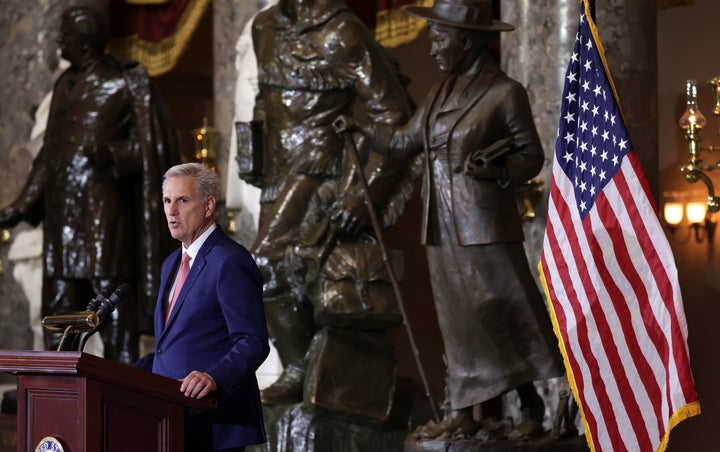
(608, 271)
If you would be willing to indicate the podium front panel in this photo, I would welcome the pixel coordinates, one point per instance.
(86, 415)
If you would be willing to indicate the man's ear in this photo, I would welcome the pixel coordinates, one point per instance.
(210, 206)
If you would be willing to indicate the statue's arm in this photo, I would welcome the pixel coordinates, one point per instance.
(527, 158)
(29, 205)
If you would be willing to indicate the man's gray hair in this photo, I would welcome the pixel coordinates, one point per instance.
(208, 183)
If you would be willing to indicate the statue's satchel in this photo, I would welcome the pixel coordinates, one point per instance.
(356, 289)
(250, 149)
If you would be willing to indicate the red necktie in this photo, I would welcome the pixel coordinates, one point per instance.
(182, 275)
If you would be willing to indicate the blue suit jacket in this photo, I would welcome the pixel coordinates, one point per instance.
(218, 327)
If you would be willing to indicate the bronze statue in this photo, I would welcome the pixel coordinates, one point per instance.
(316, 60)
(95, 183)
(476, 131)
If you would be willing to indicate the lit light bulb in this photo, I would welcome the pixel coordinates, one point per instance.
(695, 212)
(673, 213)
(692, 119)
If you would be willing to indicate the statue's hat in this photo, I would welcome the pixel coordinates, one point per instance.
(472, 14)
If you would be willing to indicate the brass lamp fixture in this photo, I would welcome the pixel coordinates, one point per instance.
(693, 121)
(204, 139)
(702, 225)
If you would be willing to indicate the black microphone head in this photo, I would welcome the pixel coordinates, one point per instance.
(108, 305)
(120, 294)
(101, 296)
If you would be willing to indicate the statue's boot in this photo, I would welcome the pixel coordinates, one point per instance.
(292, 328)
(533, 411)
(458, 423)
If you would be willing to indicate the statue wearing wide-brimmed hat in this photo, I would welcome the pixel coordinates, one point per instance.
(470, 14)
(477, 133)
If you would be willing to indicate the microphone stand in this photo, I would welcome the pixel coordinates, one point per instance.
(88, 334)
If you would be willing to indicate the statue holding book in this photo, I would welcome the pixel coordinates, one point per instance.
(475, 129)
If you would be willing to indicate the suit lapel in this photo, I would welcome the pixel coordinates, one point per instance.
(196, 270)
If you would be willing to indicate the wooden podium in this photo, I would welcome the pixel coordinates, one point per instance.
(92, 404)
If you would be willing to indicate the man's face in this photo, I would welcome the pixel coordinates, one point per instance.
(445, 48)
(188, 216)
(72, 44)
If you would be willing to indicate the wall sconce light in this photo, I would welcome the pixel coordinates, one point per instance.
(693, 121)
(673, 213)
(697, 213)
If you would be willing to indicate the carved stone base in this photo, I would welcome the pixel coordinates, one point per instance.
(546, 444)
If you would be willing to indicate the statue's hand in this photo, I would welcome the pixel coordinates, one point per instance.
(476, 171)
(351, 215)
(9, 217)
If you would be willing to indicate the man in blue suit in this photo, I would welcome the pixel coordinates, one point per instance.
(209, 320)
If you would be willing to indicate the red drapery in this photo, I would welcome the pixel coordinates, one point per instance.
(154, 32)
(393, 26)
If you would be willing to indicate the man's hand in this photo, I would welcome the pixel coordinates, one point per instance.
(197, 385)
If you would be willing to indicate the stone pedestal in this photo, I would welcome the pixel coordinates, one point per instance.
(303, 428)
(546, 444)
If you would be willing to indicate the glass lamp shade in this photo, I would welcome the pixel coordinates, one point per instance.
(692, 118)
(696, 211)
(673, 213)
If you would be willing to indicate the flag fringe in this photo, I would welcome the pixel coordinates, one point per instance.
(566, 362)
(685, 412)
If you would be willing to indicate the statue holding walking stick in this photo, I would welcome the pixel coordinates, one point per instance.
(330, 290)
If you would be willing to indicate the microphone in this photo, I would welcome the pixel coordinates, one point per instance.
(98, 311)
(107, 305)
(94, 304)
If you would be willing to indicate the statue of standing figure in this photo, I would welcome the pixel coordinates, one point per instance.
(476, 132)
(95, 184)
(316, 60)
